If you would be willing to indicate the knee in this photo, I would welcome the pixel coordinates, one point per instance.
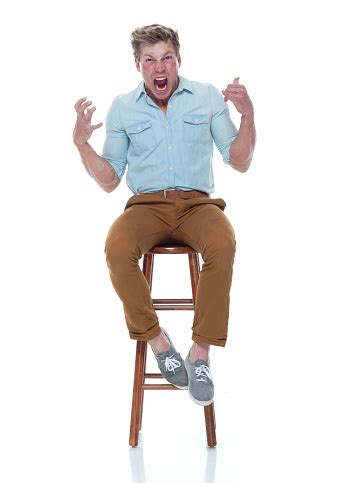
(222, 250)
(119, 252)
(226, 246)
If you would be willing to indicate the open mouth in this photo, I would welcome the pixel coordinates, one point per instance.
(160, 83)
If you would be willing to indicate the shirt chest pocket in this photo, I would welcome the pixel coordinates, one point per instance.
(141, 136)
(196, 128)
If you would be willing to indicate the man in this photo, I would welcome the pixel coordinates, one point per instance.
(162, 133)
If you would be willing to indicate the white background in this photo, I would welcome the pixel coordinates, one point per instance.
(286, 381)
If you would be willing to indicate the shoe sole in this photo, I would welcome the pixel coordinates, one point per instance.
(200, 403)
(178, 387)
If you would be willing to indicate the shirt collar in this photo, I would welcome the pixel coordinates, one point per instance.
(184, 85)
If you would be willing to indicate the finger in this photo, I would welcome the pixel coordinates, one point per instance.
(80, 111)
(84, 106)
(79, 102)
(236, 80)
(89, 112)
(237, 86)
(96, 126)
(228, 97)
(234, 97)
(235, 93)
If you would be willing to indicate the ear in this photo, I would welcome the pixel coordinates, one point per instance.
(137, 63)
(179, 59)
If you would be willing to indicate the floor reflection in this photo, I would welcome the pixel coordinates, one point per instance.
(210, 469)
(136, 456)
(137, 465)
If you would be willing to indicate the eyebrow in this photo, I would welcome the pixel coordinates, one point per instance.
(168, 52)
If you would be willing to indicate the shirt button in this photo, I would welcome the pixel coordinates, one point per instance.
(170, 168)
(169, 147)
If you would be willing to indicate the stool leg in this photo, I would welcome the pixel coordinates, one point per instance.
(136, 406)
(194, 263)
(142, 391)
(210, 425)
(210, 419)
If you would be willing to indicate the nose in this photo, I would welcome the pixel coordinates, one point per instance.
(159, 66)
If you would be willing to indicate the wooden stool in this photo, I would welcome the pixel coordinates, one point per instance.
(140, 374)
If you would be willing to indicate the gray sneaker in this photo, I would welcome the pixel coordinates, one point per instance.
(172, 366)
(200, 385)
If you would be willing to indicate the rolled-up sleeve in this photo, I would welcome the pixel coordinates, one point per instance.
(222, 128)
(116, 142)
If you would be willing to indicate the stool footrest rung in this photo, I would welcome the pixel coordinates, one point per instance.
(173, 304)
(174, 307)
(156, 375)
(172, 301)
(159, 386)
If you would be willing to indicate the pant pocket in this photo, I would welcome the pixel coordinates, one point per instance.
(204, 201)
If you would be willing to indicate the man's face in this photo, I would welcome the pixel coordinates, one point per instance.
(159, 67)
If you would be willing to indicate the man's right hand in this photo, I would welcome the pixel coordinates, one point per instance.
(83, 128)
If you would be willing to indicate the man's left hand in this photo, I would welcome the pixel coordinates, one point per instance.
(237, 94)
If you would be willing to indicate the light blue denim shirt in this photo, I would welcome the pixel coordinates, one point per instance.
(173, 150)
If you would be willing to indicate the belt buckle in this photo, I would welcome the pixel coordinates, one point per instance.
(168, 189)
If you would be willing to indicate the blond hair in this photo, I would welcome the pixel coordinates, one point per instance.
(152, 34)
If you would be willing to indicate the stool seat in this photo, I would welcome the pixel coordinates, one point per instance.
(171, 248)
(140, 374)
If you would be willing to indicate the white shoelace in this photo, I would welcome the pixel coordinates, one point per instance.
(203, 372)
(171, 363)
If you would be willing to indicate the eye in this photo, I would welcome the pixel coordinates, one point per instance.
(169, 57)
(147, 60)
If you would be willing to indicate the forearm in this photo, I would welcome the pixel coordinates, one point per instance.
(242, 148)
(98, 168)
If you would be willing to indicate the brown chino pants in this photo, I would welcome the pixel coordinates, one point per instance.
(151, 219)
